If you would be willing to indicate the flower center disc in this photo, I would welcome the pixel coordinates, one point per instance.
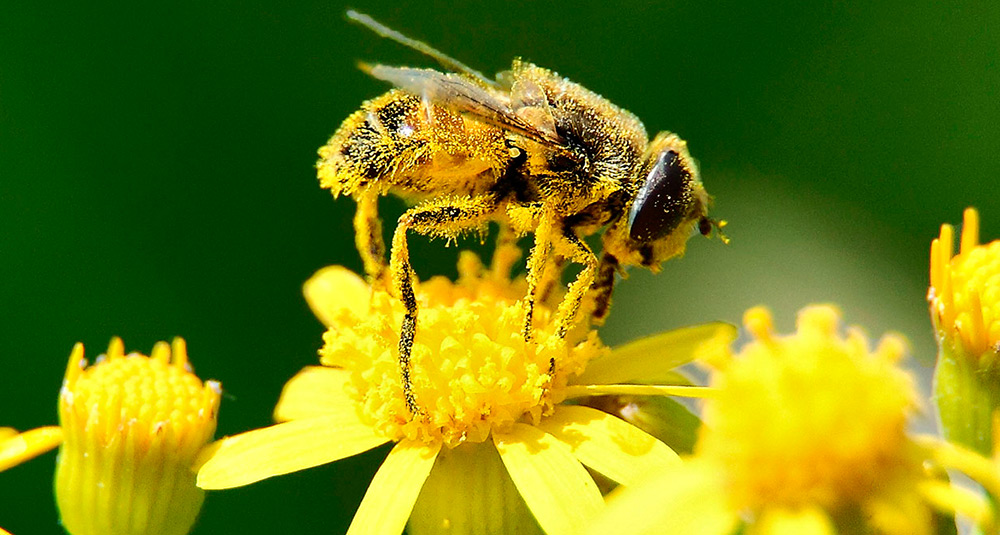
(471, 369)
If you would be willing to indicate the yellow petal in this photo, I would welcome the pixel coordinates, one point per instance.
(18, 448)
(979, 468)
(613, 447)
(688, 498)
(283, 448)
(392, 493)
(4, 532)
(334, 289)
(577, 391)
(7, 432)
(954, 500)
(314, 391)
(805, 521)
(650, 360)
(557, 488)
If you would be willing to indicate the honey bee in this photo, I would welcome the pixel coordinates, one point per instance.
(531, 151)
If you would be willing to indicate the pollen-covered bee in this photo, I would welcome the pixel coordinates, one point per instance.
(530, 151)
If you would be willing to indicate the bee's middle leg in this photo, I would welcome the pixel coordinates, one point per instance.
(445, 218)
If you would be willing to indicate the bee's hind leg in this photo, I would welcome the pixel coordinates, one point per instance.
(577, 251)
(368, 236)
(441, 218)
(540, 252)
(604, 284)
(506, 252)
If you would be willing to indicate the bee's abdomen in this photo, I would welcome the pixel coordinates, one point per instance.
(398, 142)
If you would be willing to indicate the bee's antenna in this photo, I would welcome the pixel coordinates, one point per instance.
(442, 58)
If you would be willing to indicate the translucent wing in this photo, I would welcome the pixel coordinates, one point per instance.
(445, 60)
(462, 95)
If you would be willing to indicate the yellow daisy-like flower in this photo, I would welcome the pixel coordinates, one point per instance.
(964, 301)
(494, 428)
(130, 427)
(805, 434)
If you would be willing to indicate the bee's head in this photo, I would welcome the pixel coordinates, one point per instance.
(669, 203)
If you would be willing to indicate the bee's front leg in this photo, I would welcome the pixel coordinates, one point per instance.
(441, 218)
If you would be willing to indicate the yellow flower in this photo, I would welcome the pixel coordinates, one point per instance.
(805, 434)
(131, 427)
(965, 309)
(965, 291)
(495, 434)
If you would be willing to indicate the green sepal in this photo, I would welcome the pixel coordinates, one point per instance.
(966, 395)
(667, 420)
(470, 492)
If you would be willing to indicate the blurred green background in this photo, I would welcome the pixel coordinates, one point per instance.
(156, 179)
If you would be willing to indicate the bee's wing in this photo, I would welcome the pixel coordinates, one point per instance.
(460, 94)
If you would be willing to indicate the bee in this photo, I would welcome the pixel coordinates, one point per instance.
(530, 151)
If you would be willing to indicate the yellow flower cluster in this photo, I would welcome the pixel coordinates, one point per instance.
(504, 412)
(798, 433)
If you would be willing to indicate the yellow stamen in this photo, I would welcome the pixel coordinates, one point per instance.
(970, 230)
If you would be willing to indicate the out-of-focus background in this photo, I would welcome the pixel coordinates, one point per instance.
(156, 179)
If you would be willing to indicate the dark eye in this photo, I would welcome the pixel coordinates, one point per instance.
(663, 200)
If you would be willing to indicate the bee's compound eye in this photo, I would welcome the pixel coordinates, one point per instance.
(663, 200)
